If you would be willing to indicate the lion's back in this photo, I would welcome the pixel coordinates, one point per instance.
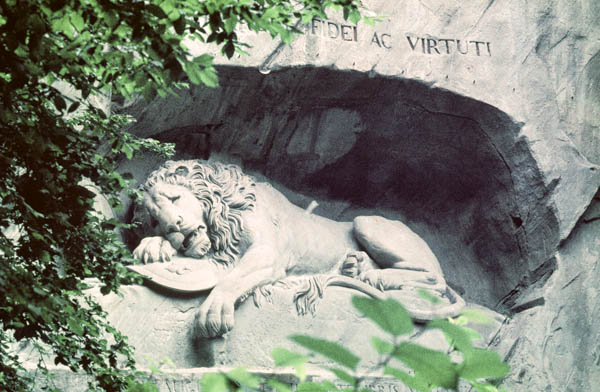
(309, 242)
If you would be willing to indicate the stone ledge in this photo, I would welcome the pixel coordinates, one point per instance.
(188, 380)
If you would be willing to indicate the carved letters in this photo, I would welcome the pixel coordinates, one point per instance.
(427, 45)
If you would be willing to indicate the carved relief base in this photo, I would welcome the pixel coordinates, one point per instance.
(159, 324)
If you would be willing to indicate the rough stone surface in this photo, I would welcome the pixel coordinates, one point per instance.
(158, 325)
(188, 380)
(552, 341)
(457, 171)
(487, 149)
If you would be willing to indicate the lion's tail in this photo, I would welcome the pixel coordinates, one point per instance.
(417, 313)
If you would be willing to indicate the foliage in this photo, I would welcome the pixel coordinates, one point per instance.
(52, 141)
(417, 367)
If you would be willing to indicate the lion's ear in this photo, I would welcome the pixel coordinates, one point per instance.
(182, 171)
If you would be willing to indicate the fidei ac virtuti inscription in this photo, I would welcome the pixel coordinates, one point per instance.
(427, 45)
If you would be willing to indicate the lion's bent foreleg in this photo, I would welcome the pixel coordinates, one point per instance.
(216, 315)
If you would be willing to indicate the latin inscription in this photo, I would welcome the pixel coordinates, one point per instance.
(190, 384)
(426, 45)
(332, 30)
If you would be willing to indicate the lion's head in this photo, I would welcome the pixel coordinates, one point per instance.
(197, 206)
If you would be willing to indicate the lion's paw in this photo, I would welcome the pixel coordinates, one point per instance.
(153, 249)
(215, 316)
(354, 263)
(373, 278)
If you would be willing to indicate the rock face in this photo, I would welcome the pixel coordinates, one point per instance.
(158, 325)
(474, 123)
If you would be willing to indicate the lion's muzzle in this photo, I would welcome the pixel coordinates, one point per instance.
(176, 239)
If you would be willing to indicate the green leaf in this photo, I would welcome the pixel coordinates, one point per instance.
(343, 375)
(75, 326)
(179, 25)
(476, 316)
(456, 336)
(480, 363)
(156, 11)
(369, 21)
(77, 21)
(229, 49)
(127, 150)
(168, 6)
(331, 350)
(428, 296)
(354, 16)
(205, 60)
(434, 366)
(45, 256)
(213, 382)
(388, 314)
(474, 335)
(283, 357)
(483, 387)
(230, 23)
(135, 386)
(382, 347)
(63, 25)
(73, 107)
(59, 103)
(243, 377)
(209, 77)
(413, 382)
(278, 385)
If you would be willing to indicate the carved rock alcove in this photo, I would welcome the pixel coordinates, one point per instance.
(454, 169)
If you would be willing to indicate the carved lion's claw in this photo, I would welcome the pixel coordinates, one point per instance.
(154, 249)
(354, 263)
(373, 278)
(215, 316)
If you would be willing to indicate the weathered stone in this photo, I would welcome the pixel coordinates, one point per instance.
(158, 324)
(244, 235)
(477, 125)
(552, 342)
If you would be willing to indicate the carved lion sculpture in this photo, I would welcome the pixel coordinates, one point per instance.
(214, 211)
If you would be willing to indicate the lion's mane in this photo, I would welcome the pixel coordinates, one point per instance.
(225, 192)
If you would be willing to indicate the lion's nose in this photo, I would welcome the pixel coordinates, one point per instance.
(172, 228)
(176, 239)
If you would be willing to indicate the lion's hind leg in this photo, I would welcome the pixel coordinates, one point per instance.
(404, 258)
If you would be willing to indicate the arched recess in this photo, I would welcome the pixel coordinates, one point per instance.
(455, 169)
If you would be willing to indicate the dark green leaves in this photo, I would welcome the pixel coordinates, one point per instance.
(179, 25)
(389, 314)
(73, 107)
(51, 142)
(156, 11)
(59, 103)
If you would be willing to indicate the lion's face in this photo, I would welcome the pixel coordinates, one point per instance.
(173, 212)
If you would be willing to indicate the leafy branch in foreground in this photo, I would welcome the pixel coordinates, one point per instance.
(53, 142)
(417, 367)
